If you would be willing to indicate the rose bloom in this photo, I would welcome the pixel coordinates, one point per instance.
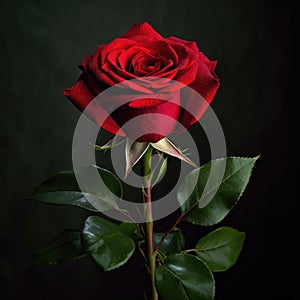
(136, 58)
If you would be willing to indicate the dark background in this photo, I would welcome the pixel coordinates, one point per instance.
(41, 45)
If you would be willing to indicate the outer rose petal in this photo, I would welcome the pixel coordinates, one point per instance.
(81, 96)
(206, 84)
(159, 117)
(192, 45)
(210, 64)
(188, 63)
(188, 75)
(141, 29)
(94, 84)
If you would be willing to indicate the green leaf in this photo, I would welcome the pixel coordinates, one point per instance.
(220, 192)
(131, 231)
(63, 189)
(106, 243)
(221, 248)
(66, 247)
(184, 277)
(166, 146)
(172, 244)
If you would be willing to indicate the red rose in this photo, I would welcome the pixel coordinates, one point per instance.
(142, 53)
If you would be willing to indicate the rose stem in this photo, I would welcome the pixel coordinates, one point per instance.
(151, 255)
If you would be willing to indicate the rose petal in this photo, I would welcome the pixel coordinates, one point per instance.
(188, 75)
(112, 67)
(100, 58)
(190, 44)
(146, 64)
(211, 64)
(116, 44)
(162, 47)
(126, 56)
(206, 84)
(141, 29)
(143, 85)
(159, 117)
(187, 65)
(91, 81)
(82, 97)
(116, 73)
(80, 94)
(186, 56)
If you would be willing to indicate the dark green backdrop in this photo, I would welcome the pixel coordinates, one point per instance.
(41, 45)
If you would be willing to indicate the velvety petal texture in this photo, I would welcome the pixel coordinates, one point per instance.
(143, 54)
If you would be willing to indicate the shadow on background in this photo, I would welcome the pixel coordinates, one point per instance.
(41, 44)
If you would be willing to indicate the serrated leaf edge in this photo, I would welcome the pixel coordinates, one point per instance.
(254, 159)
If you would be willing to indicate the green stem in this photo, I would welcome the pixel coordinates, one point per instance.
(151, 255)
